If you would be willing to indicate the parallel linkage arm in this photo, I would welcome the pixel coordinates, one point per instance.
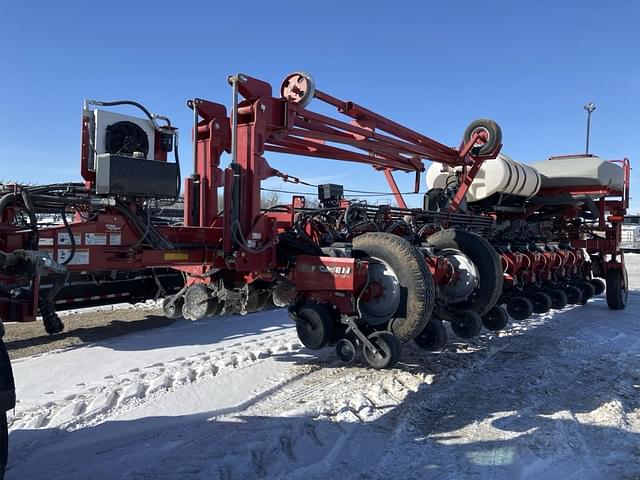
(369, 138)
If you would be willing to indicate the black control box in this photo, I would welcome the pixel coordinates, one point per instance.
(135, 177)
(330, 193)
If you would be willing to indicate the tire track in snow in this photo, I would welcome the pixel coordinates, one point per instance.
(91, 403)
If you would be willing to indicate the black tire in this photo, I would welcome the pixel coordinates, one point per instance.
(574, 295)
(345, 350)
(495, 319)
(256, 302)
(486, 260)
(390, 347)
(314, 325)
(492, 128)
(519, 308)
(558, 298)
(541, 302)
(433, 337)
(466, 323)
(174, 310)
(417, 292)
(617, 288)
(587, 290)
(598, 284)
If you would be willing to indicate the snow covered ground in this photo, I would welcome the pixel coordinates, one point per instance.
(557, 396)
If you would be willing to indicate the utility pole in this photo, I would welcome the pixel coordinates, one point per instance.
(589, 107)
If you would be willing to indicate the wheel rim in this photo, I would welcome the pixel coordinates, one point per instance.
(540, 302)
(518, 309)
(431, 337)
(481, 143)
(380, 358)
(345, 350)
(463, 327)
(381, 307)
(465, 279)
(312, 334)
(558, 299)
(495, 319)
(466, 325)
(587, 290)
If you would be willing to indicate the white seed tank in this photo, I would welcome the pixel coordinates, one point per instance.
(580, 170)
(501, 175)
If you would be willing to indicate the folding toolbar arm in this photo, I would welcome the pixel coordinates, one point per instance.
(260, 122)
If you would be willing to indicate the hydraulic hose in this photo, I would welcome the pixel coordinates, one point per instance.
(133, 103)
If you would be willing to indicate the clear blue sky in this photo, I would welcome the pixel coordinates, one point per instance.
(434, 66)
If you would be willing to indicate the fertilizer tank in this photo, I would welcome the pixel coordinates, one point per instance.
(585, 170)
(501, 175)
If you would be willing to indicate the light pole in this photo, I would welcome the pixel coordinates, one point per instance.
(589, 107)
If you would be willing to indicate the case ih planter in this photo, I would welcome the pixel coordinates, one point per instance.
(357, 276)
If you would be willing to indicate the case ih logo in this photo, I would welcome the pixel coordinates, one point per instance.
(333, 270)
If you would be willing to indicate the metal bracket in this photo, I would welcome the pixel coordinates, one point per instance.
(351, 322)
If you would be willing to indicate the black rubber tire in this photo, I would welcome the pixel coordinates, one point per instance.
(617, 288)
(598, 284)
(257, 301)
(574, 295)
(172, 311)
(495, 319)
(541, 302)
(416, 282)
(519, 308)
(317, 329)
(390, 346)
(486, 260)
(587, 290)
(345, 350)
(495, 135)
(466, 323)
(433, 337)
(558, 298)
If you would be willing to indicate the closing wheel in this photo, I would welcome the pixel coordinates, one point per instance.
(587, 290)
(617, 288)
(519, 308)
(314, 325)
(541, 302)
(172, 307)
(485, 276)
(491, 140)
(298, 87)
(400, 294)
(199, 303)
(495, 319)
(388, 350)
(558, 298)
(345, 350)
(466, 323)
(433, 337)
(574, 295)
(598, 284)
